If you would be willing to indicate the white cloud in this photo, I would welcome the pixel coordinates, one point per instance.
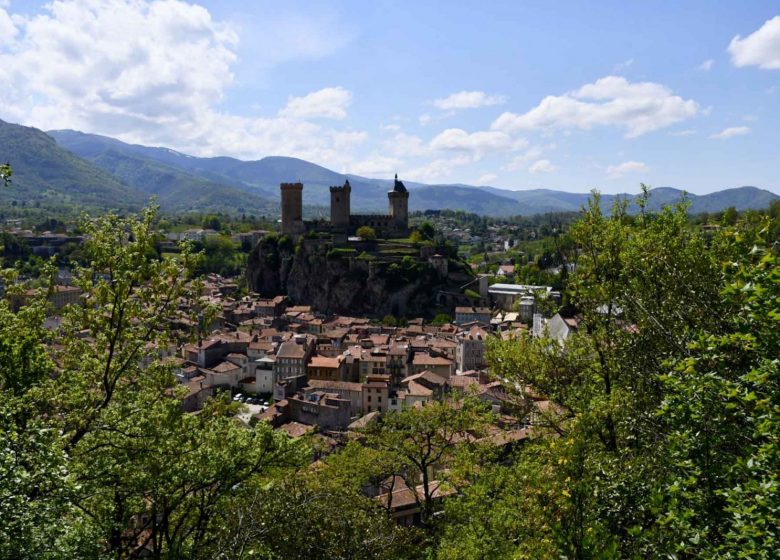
(638, 108)
(327, 103)
(478, 143)
(405, 145)
(542, 166)
(521, 161)
(617, 171)
(425, 119)
(375, 166)
(437, 169)
(8, 30)
(686, 132)
(154, 72)
(706, 66)
(487, 178)
(468, 100)
(731, 132)
(390, 127)
(761, 48)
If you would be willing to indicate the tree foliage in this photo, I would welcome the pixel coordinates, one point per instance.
(367, 233)
(664, 441)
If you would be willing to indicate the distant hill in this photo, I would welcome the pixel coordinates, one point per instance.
(158, 171)
(93, 170)
(261, 177)
(48, 175)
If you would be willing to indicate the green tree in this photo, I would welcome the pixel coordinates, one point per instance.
(221, 256)
(212, 221)
(729, 216)
(441, 319)
(427, 230)
(318, 513)
(421, 442)
(5, 174)
(593, 476)
(723, 410)
(367, 233)
(127, 470)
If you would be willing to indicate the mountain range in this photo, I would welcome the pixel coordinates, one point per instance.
(69, 167)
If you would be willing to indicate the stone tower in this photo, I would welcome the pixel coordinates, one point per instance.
(339, 206)
(292, 208)
(399, 205)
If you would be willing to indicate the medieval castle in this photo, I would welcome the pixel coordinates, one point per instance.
(341, 219)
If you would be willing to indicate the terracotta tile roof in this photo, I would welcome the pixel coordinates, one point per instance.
(324, 362)
(224, 367)
(324, 385)
(406, 497)
(423, 359)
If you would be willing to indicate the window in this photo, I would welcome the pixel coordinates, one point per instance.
(369, 398)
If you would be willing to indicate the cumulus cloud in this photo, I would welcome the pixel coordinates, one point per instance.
(521, 161)
(468, 100)
(437, 169)
(478, 143)
(621, 169)
(405, 145)
(686, 132)
(761, 48)
(706, 66)
(8, 30)
(327, 103)
(638, 108)
(375, 166)
(731, 132)
(486, 178)
(154, 72)
(542, 166)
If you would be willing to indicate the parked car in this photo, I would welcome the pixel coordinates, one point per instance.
(238, 397)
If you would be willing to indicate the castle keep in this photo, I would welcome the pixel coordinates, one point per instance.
(341, 218)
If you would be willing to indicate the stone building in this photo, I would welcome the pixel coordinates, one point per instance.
(292, 208)
(395, 222)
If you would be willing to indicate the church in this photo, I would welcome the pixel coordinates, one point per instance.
(395, 223)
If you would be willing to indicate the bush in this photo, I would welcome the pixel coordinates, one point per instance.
(441, 319)
(366, 233)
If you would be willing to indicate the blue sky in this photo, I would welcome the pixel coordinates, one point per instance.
(561, 95)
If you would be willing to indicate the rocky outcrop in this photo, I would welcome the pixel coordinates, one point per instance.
(337, 281)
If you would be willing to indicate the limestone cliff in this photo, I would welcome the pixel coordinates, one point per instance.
(339, 281)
